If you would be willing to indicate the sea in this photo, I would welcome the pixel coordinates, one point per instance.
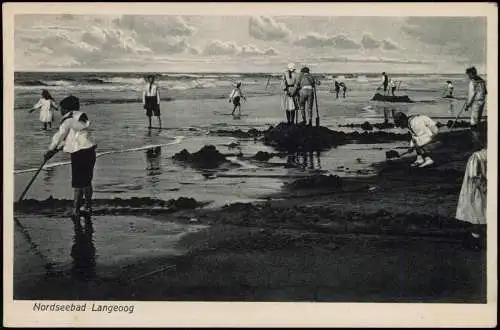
(136, 162)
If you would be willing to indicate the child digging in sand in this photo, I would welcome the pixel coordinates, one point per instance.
(45, 104)
(423, 130)
(73, 138)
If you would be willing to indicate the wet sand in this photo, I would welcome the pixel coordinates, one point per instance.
(390, 237)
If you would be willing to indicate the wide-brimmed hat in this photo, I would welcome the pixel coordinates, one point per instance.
(70, 103)
(291, 66)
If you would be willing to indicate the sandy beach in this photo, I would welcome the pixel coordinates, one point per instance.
(389, 236)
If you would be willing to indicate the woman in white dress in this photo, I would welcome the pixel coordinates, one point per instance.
(46, 105)
(472, 200)
(289, 102)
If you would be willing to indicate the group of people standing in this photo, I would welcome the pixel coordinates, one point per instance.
(299, 94)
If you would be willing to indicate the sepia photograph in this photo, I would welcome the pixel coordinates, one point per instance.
(247, 153)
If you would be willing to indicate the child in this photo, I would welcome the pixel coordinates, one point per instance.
(235, 97)
(344, 88)
(392, 84)
(472, 201)
(45, 104)
(289, 103)
(337, 89)
(305, 86)
(423, 130)
(73, 138)
(151, 100)
(449, 89)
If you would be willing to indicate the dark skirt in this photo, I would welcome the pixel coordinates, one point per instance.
(152, 107)
(236, 100)
(82, 167)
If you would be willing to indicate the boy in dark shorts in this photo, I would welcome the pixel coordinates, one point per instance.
(73, 138)
(151, 100)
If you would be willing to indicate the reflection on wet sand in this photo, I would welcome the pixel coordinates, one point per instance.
(83, 250)
(304, 160)
(153, 160)
(49, 175)
(386, 114)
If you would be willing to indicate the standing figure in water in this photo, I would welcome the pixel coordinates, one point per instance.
(337, 89)
(449, 89)
(288, 100)
(305, 85)
(151, 100)
(423, 130)
(46, 105)
(477, 97)
(385, 83)
(235, 97)
(73, 137)
(344, 88)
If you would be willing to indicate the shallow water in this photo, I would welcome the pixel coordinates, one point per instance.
(136, 162)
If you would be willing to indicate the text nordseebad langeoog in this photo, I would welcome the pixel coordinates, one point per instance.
(94, 307)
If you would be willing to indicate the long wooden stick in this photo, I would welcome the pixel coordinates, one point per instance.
(31, 181)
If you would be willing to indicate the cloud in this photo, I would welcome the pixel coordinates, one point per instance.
(314, 40)
(156, 26)
(369, 42)
(371, 59)
(389, 44)
(460, 36)
(266, 28)
(218, 48)
(344, 42)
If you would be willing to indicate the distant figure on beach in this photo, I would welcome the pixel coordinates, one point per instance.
(344, 88)
(151, 100)
(289, 102)
(423, 130)
(392, 84)
(73, 138)
(449, 89)
(385, 82)
(477, 97)
(305, 86)
(337, 89)
(46, 105)
(235, 97)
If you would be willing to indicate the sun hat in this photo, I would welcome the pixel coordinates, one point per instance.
(291, 66)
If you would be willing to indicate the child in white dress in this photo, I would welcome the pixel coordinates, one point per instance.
(46, 105)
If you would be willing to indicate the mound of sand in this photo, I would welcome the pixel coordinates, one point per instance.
(390, 98)
(310, 138)
(206, 157)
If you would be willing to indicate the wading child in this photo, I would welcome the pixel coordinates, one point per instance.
(73, 138)
(392, 84)
(449, 89)
(235, 97)
(423, 130)
(46, 105)
(151, 100)
(472, 201)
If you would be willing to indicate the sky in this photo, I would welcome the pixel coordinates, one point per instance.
(160, 43)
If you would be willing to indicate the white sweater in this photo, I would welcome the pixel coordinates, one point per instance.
(73, 135)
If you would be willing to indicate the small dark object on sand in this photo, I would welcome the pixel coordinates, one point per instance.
(367, 126)
(390, 98)
(262, 156)
(391, 154)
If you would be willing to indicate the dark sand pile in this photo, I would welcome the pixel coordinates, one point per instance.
(116, 206)
(207, 157)
(299, 137)
(316, 182)
(390, 98)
